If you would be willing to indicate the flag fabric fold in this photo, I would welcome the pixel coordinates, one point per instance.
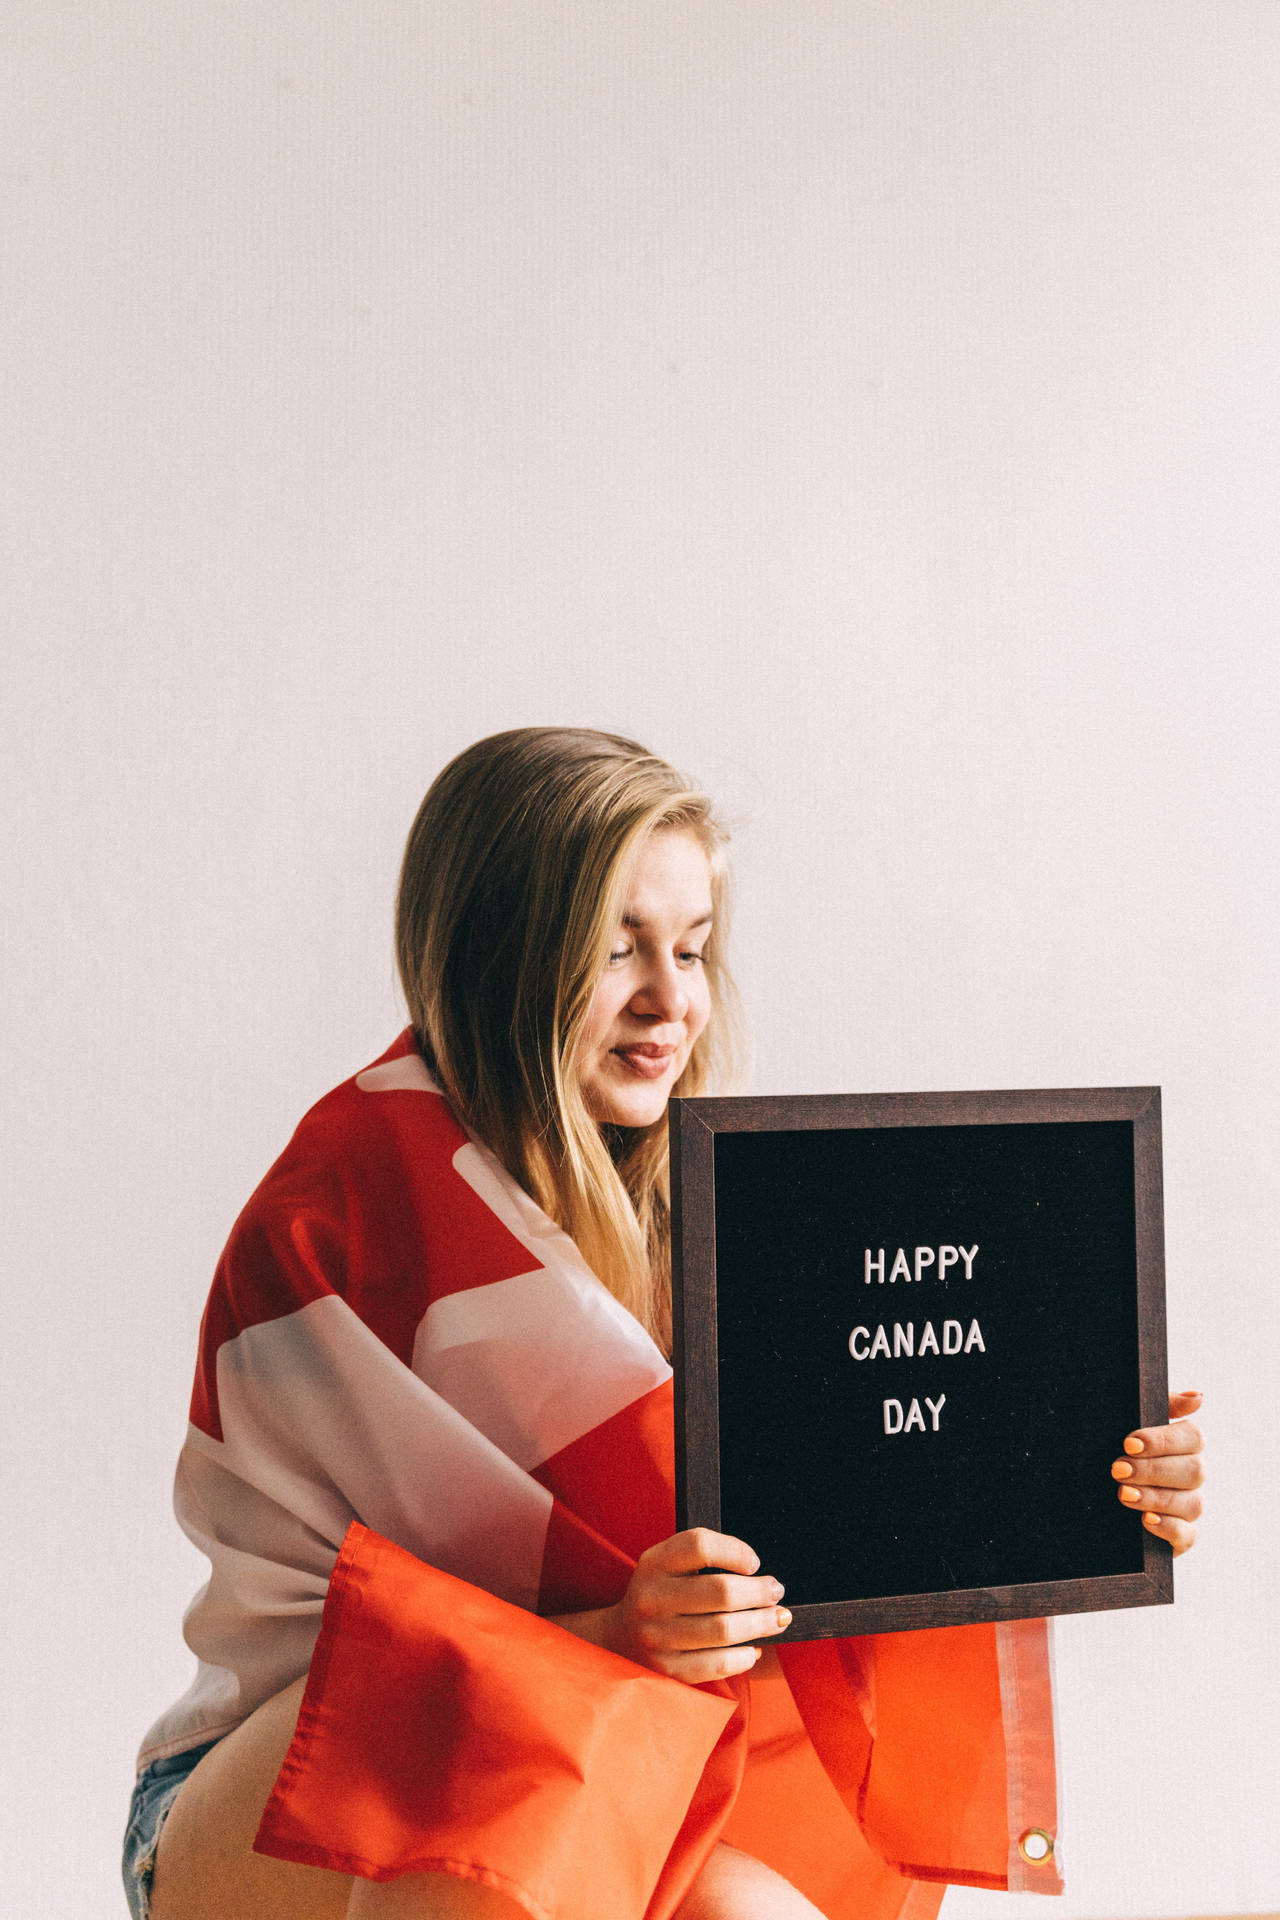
(419, 1422)
(443, 1729)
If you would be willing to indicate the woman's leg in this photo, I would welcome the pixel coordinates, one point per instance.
(206, 1868)
(732, 1886)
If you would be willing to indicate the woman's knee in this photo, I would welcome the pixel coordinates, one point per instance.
(736, 1886)
(430, 1896)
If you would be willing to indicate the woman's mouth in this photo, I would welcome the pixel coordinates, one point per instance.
(646, 1061)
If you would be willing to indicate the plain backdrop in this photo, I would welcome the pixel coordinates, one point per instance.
(871, 406)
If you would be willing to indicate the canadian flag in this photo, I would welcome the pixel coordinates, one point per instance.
(420, 1422)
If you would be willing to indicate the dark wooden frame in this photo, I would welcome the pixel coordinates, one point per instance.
(694, 1125)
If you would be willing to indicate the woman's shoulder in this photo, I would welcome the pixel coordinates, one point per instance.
(360, 1212)
(380, 1195)
(383, 1125)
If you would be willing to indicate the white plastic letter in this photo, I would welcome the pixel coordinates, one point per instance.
(904, 1339)
(865, 1332)
(928, 1340)
(880, 1345)
(966, 1254)
(899, 1262)
(914, 1418)
(975, 1338)
(947, 1257)
(924, 1258)
(952, 1335)
(935, 1407)
(893, 1420)
(871, 1266)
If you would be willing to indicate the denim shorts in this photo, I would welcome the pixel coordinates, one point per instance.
(154, 1794)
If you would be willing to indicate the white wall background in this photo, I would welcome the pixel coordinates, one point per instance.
(872, 406)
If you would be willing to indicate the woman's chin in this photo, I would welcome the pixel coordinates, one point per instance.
(639, 1106)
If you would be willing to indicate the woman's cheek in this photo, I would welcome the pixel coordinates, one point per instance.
(704, 1002)
(699, 1014)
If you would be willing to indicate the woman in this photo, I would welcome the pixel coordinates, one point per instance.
(430, 1457)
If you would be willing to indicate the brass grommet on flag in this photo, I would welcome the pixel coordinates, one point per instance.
(1036, 1846)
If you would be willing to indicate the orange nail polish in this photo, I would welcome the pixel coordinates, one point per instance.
(784, 1617)
(1121, 1470)
(1152, 1519)
(1130, 1495)
(1133, 1445)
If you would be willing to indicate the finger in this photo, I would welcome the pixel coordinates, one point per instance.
(1179, 1533)
(1167, 1470)
(720, 1592)
(698, 1548)
(714, 1664)
(1186, 1506)
(691, 1633)
(1181, 1404)
(1185, 1437)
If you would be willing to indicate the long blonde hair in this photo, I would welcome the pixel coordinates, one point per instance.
(510, 894)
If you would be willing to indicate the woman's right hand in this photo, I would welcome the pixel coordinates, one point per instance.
(679, 1618)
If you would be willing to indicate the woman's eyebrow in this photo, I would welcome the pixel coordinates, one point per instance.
(639, 923)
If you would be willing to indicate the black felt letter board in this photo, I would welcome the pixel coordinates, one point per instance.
(911, 1334)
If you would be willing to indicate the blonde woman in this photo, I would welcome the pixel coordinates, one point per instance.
(453, 1661)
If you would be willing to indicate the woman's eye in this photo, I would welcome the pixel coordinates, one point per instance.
(686, 957)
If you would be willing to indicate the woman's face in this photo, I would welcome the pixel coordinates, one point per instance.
(653, 998)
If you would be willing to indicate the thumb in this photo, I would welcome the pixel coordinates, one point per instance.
(1181, 1404)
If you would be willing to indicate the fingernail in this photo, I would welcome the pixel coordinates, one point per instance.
(757, 1651)
(1151, 1519)
(1133, 1445)
(1131, 1495)
(784, 1618)
(778, 1589)
(1121, 1470)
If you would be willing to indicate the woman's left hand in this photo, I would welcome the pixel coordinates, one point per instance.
(1162, 1473)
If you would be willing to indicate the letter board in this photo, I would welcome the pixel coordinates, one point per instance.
(911, 1333)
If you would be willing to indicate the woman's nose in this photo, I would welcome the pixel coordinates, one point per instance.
(662, 993)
